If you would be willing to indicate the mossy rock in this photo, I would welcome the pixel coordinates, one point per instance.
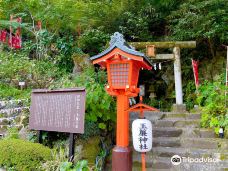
(5, 122)
(3, 130)
(91, 149)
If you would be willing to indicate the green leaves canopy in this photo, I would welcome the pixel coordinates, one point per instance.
(197, 19)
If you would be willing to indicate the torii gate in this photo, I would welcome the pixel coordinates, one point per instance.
(175, 56)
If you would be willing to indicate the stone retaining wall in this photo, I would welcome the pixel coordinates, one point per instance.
(13, 113)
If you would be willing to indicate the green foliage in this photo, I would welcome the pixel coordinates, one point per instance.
(134, 27)
(43, 73)
(80, 166)
(59, 156)
(66, 47)
(91, 129)
(212, 99)
(60, 162)
(20, 155)
(17, 67)
(201, 19)
(104, 110)
(100, 107)
(93, 41)
(13, 66)
(9, 92)
(190, 95)
(12, 133)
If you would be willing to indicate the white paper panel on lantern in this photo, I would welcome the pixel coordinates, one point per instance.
(142, 135)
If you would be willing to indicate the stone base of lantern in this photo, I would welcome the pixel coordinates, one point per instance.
(179, 108)
(121, 159)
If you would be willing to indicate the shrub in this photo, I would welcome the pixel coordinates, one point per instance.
(212, 100)
(20, 155)
(15, 67)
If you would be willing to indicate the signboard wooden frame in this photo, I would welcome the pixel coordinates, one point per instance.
(58, 110)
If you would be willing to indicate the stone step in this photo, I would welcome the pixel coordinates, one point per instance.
(178, 122)
(166, 132)
(183, 132)
(184, 152)
(164, 164)
(158, 165)
(156, 116)
(182, 115)
(152, 116)
(166, 142)
(202, 143)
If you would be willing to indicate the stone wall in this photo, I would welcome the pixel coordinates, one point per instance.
(13, 113)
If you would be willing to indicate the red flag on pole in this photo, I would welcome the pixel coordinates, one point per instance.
(195, 65)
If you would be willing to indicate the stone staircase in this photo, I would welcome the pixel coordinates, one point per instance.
(12, 114)
(180, 134)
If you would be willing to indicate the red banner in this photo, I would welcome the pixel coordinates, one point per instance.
(15, 42)
(195, 65)
(3, 35)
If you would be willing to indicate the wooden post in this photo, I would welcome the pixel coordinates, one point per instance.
(71, 147)
(181, 44)
(143, 155)
(40, 140)
(122, 154)
(141, 116)
(177, 75)
(122, 133)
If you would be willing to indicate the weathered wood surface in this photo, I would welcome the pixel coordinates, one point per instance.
(162, 56)
(180, 44)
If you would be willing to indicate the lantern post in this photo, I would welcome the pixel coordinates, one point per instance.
(123, 64)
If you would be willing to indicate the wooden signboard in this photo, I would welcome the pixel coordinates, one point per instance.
(58, 110)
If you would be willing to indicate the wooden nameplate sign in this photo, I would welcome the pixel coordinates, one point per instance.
(60, 110)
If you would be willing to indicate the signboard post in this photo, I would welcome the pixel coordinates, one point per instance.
(58, 110)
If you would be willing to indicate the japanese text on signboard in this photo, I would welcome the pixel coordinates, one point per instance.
(58, 110)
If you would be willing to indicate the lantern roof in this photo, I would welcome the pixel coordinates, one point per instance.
(117, 41)
(141, 107)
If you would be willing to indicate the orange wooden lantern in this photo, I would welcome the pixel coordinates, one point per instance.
(123, 64)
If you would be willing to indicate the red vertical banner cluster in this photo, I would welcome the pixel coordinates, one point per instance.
(195, 67)
(14, 39)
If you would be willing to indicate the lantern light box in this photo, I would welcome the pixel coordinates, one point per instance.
(142, 135)
(123, 64)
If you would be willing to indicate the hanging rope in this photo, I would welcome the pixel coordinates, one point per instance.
(158, 65)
